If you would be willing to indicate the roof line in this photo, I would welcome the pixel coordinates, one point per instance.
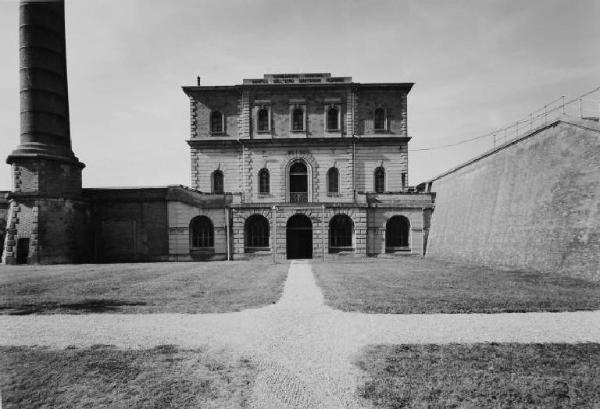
(408, 85)
(506, 145)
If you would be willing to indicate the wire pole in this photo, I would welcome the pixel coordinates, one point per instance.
(563, 104)
(531, 121)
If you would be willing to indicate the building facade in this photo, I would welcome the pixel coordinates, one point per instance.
(312, 166)
(287, 166)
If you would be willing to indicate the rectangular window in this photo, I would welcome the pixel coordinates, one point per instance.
(262, 116)
(216, 123)
(298, 115)
(298, 119)
(380, 119)
(333, 118)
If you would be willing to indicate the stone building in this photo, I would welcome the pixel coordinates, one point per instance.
(313, 166)
(288, 166)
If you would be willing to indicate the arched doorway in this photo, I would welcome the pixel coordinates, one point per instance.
(397, 230)
(298, 182)
(299, 237)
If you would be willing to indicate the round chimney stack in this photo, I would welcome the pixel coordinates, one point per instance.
(45, 129)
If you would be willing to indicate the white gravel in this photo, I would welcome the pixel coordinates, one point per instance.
(304, 348)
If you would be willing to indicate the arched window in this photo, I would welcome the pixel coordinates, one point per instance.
(397, 230)
(380, 180)
(332, 119)
(263, 181)
(217, 182)
(298, 182)
(216, 122)
(340, 233)
(379, 119)
(298, 119)
(333, 177)
(263, 120)
(202, 232)
(256, 232)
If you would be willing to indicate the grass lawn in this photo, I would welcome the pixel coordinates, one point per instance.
(482, 376)
(414, 285)
(105, 377)
(140, 288)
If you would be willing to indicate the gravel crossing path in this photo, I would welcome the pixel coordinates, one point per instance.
(303, 348)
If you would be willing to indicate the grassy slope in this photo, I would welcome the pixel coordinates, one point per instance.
(104, 377)
(140, 288)
(415, 285)
(482, 376)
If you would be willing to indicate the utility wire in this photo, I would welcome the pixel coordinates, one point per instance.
(544, 112)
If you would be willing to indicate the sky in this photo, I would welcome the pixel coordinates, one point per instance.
(477, 66)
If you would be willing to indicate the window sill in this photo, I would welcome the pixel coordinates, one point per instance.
(381, 131)
(340, 249)
(332, 194)
(264, 195)
(267, 131)
(202, 253)
(298, 130)
(397, 249)
(257, 250)
(217, 133)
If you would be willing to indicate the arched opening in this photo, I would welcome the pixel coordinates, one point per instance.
(332, 119)
(379, 119)
(397, 234)
(202, 233)
(263, 181)
(333, 180)
(256, 234)
(263, 120)
(341, 230)
(380, 180)
(217, 182)
(216, 122)
(298, 182)
(299, 237)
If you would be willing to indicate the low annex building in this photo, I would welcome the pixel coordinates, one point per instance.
(315, 165)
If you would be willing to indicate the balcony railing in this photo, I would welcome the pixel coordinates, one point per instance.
(297, 197)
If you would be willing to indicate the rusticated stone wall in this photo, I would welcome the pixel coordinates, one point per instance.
(533, 204)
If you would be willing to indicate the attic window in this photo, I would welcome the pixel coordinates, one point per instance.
(380, 120)
(216, 123)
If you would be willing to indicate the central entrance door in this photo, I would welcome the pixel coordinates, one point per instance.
(299, 237)
(298, 182)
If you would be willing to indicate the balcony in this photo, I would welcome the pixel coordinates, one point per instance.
(298, 197)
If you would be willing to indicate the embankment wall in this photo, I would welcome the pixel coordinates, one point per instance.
(532, 204)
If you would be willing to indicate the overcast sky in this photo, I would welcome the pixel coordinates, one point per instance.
(476, 65)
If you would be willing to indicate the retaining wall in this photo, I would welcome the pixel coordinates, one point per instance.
(533, 204)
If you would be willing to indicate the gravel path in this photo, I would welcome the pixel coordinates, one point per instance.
(304, 349)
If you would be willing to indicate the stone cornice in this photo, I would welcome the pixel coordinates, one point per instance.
(407, 86)
(300, 142)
